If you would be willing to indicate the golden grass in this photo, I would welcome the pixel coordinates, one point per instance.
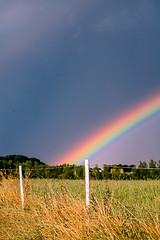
(59, 215)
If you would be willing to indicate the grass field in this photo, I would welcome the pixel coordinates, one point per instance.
(55, 209)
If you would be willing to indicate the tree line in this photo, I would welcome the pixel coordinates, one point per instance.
(34, 168)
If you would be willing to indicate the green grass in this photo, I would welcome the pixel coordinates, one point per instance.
(129, 193)
(55, 209)
(130, 197)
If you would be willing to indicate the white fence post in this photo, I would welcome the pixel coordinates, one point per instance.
(87, 181)
(21, 185)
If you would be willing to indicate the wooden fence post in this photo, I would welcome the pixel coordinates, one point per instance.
(21, 185)
(87, 181)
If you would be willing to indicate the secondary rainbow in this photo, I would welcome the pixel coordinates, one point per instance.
(113, 130)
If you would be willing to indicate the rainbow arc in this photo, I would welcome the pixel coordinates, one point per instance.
(112, 131)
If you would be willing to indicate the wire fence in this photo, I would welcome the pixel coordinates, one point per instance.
(75, 166)
(113, 172)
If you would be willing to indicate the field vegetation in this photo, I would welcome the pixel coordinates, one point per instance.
(55, 209)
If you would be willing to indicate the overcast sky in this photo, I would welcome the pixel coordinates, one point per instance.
(69, 67)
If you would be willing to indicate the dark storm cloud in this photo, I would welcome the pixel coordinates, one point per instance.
(66, 68)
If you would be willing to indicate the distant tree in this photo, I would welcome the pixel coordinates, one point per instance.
(152, 164)
(154, 173)
(28, 164)
(78, 172)
(158, 169)
(96, 174)
(143, 173)
(158, 164)
(106, 172)
(68, 172)
(131, 168)
(14, 161)
(115, 172)
(135, 173)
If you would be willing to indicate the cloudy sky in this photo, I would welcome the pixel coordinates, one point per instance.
(69, 67)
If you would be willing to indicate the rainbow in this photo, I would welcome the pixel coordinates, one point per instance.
(113, 130)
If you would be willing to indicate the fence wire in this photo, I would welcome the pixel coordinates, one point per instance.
(61, 167)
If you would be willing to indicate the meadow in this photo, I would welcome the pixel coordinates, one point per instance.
(55, 209)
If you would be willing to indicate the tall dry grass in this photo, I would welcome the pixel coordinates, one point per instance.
(59, 215)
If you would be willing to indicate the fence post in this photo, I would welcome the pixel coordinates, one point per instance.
(21, 185)
(87, 181)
